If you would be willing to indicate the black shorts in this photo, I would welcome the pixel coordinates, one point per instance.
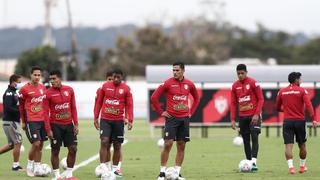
(177, 129)
(112, 129)
(63, 133)
(36, 131)
(246, 127)
(293, 128)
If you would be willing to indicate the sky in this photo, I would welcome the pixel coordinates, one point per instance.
(287, 15)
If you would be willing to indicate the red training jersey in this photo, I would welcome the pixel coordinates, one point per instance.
(31, 100)
(248, 95)
(114, 102)
(61, 105)
(176, 93)
(292, 101)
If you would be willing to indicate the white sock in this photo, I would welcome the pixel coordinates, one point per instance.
(290, 163)
(119, 165)
(108, 165)
(302, 162)
(178, 168)
(254, 160)
(56, 173)
(30, 164)
(37, 166)
(15, 164)
(69, 172)
(162, 169)
(114, 167)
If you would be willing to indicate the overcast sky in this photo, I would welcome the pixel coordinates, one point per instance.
(288, 15)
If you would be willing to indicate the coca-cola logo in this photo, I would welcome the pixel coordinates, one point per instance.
(38, 99)
(61, 106)
(179, 98)
(112, 102)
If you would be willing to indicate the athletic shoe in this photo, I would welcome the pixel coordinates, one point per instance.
(30, 172)
(291, 170)
(161, 176)
(180, 177)
(18, 168)
(118, 173)
(254, 167)
(302, 169)
(71, 178)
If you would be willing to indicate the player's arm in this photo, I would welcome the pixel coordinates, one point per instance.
(279, 102)
(233, 107)
(97, 108)
(155, 98)
(259, 95)
(196, 99)
(74, 113)
(307, 102)
(46, 104)
(21, 107)
(129, 108)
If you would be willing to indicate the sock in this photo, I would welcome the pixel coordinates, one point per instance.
(119, 165)
(290, 163)
(56, 173)
(69, 172)
(178, 168)
(302, 162)
(108, 165)
(15, 164)
(254, 160)
(37, 166)
(162, 169)
(114, 167)
(30, 164)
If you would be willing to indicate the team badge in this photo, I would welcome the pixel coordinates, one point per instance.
(121, 91)
(248, 86)
(41, 91)
(186, 86)
(66, 93)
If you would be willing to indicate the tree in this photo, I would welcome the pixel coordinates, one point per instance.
(308, 53)
(45, 57)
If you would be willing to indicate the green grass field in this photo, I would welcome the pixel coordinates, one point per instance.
(206, 159)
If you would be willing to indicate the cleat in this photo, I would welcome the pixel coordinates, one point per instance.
(291, 170)
(302, 169)
(118, 173)
(161, 176)
(254, 167)
(18, 168)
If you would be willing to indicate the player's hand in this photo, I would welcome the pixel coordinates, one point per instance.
(254, 120)
(50, 134)
(166, 114)
(76, 130)
(314, 124)
(23, 126)
(96, 124)
(129, 126)
(233, 125)
(126, 121)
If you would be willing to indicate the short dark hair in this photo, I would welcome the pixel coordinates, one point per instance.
(57, 73)
(293, 76)
(241, 67)
(14, 78)
(118, 71)
(179, 63)
(34, 68)
(109, 73)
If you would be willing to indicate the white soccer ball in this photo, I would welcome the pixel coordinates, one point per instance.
(63, 163)
(45, 170)
(238, 141)
(171, 173)
(108, 175)
(99, 170)
(245, 166)
(160, 143)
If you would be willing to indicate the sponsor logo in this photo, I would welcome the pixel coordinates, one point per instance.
(180, 106)
(38, 99)
(110, 89)
(246, 107)
(36, 108)
(9, 94)
(179, 98)
(290, 92)
(174, 85)
(61, 106)
(64, 115)
(185, 86)
(112, 110)
(244, 99)
(121, 91)
(66, 93)
(112, 102)
(221, 104)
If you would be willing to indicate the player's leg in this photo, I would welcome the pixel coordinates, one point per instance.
(70, 141)
(244, 124)
(288, 137)
(9, 146)
(105, 141)
(255, 131)
(55, 150)
(6, 148)
(42, 136)
(16, 138)
(117, 139)
(33, 136)
(301, 138)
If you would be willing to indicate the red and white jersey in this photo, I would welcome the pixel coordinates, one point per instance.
(292, 100)
(176, 93)
(248, 95)
(61, 105)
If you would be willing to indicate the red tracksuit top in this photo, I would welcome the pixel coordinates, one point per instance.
(292, 101)
(176, 93)
(31, 100)
(248, 95)
(61, 105)
(113, 102)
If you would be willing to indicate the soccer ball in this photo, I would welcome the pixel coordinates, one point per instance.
(238, 141)
(160, 143)
(99, 170)
(45, 170)
(108, 175)
(171, 173)
(63, 163)
(245, 166)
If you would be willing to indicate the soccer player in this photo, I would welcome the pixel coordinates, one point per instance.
(11, 121)
(61, 105)
(32, 118)
(292, 100)
(116, 104)
(177, 114)
(247, 93)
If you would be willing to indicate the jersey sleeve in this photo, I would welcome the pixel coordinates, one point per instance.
(279, 102)
(233, 105)
(307, 102)
(98, 104)
(46, 104)
(155, 98)
(259, 95)
(129, 106)
(74, 111)
(196, 98)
